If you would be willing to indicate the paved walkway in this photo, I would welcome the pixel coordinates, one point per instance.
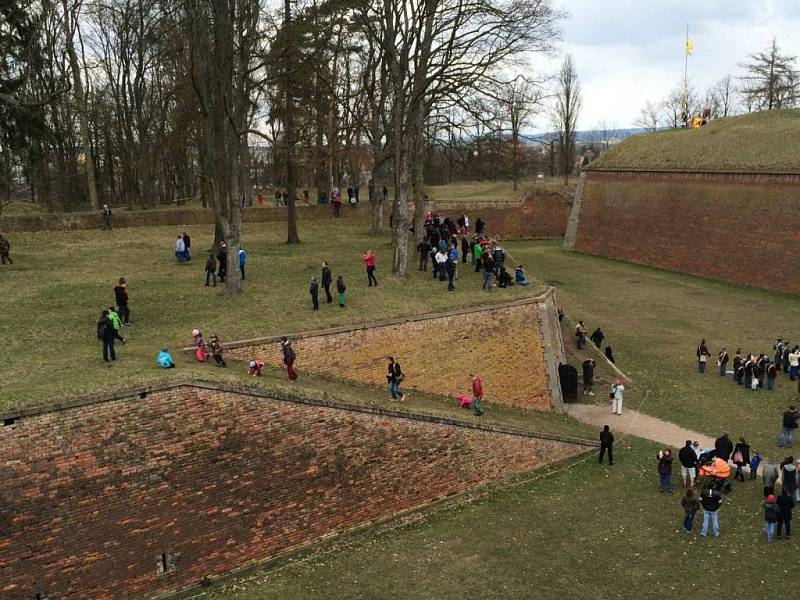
(638, 424)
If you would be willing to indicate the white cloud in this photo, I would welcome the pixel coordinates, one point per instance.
(630, 51)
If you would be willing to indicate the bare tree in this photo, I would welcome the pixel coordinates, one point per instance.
(649, 118)
(290, 61)
(568, 103)
(606, 134)
(771, 79)
(518, 100)
(721, 98)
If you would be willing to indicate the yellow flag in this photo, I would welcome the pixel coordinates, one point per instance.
(689, 46)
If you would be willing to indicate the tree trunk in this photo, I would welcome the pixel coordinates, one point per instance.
(400, 220)
(291, 177)
(70, 24)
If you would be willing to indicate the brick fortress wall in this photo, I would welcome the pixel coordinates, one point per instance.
(741, 228)
(151, 492)
(504, 345)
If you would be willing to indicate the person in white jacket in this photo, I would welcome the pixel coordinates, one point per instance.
(617, 391)
(180, 249)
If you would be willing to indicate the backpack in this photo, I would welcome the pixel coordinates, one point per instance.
(103, 327)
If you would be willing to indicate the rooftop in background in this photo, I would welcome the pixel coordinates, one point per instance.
(767, 141)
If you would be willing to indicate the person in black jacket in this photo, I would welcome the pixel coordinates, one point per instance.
(314, 291)
(724, 447)
(688, 459)
(187, 243)
(785, 506)
(741, 457)
(326, 282)
(607, 443)
(106, 334)
(395, 377)
(588, 376)
(341, 288)
(597, 337)
(222, 259)
(289, 357)
(121, 297)
(211, 269)
(710, 500)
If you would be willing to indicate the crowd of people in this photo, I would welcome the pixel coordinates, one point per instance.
(754, 371)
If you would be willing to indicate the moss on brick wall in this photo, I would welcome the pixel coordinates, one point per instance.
(141, 495)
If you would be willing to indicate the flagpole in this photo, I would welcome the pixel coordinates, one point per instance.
(686, 73)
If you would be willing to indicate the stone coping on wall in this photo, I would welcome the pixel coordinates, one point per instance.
(591, 169)
(550, 292)
(282, 396)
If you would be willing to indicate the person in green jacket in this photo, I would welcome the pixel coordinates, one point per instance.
(477, 253)
(116, 322)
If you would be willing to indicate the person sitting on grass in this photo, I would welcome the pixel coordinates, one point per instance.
(255, 367)
(217, 349)
(519, 276)
(164, 359)
(503, 277)
(199, 342)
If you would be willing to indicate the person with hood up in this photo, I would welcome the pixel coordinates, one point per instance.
(289, 357)
(341, 288)
(789, 475)
(164, 359)
(314, 291)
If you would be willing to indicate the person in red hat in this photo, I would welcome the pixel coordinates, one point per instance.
(772, 515)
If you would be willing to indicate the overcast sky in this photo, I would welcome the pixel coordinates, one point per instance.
(631, 51)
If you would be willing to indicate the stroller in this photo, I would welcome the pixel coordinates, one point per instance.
(714, 472)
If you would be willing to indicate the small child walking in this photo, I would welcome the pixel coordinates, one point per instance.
(754, 462)
(217, 349)
(690, 504)
(341, 288)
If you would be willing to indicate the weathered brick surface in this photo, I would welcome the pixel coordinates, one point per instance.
(504, 346)
(542, 215)
(735, 227)
(91, 497)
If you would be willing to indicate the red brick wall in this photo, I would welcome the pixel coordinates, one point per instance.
(91, 497)
(503, 346)
(543, 215)
(737, 228)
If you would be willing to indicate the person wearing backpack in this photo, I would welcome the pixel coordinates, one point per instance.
(105, 333)
(341, 288)
(772, 515)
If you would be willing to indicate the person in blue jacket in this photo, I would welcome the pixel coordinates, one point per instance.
(164, 359)
(242, 260)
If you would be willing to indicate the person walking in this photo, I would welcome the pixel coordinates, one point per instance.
(607, 444)
(341, 288)
(211, 269)
(222, 258)
(580, 333)
(772, 515)
(105, 333)
(106, 214)
(755, 460)
(710, 500)
(722, 362)
(769, 474)
(187, 244)
(116, 322)
(217, 350)
(289, 357)
(741, 457)
(5, 250)
(477, 395)
(326, 282)
(702, 356)
(588, 376)
(616, 396)
(665, 470)
(395, 377)
(690, 505)
(788, 426)
(369, 261)
(242, 261)
(180, 249)
(121, 297)
(597, 337)
(314, 291)
(789, 475)
(785, 504)
(688, 459)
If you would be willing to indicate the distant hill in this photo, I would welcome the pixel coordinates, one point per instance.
(764, 141)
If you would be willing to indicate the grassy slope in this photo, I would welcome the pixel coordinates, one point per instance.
(767, 140)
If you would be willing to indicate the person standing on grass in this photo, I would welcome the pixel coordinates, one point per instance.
(665, 470)
(588, 376)
(211, 269)
(187, 244)
(242, 261)
(479, 227)
(488, 271)
(477, 255)
(289, 357)
(326, 282)
(597, 337)
(794, 363)
(789, 424)
(180, 249)
(369, 261)
(105, 333)
(450, 267)
(423, 249)
(772, 515)
(741, 457)
(395, 377)
(769, 474)
(116, 322)
(5, 250)
(710, 500)
(222, 258)
(688, 459)
(690, 505)
(465, 248)
(314, 291)
(607, 444)
(722, 362)
(121, 296)
(106, 212)
(477, 395)
(785, 505)
(771, 374)
(580, 333)
(737, 363)
(441, 261)
(702, 356)
(755, 460)
(217, 350)
(341, 288)
(789, 475)
(616, 395)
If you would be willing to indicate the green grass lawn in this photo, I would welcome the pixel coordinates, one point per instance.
(589, 531)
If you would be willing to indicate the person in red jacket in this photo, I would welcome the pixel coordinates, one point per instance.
(477, 395)
(369, 260)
